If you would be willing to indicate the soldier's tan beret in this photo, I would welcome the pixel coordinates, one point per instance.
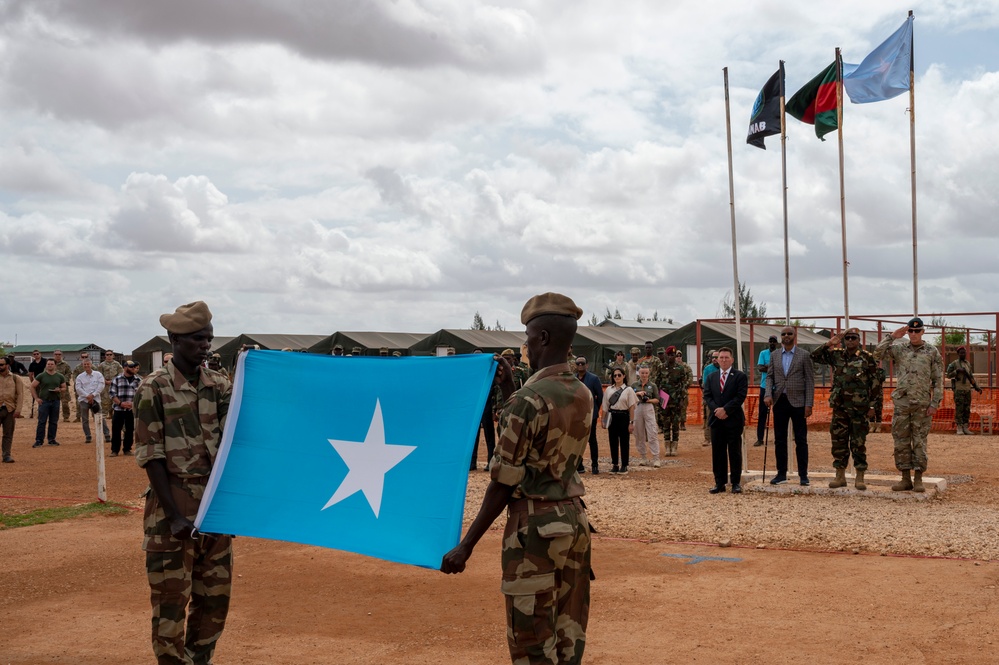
(851, 331)
(188, 318)
(508, 352)
(549, 303)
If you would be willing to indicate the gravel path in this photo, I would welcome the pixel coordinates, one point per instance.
(672, 504)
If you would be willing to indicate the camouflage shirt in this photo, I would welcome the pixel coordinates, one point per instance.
(855, 377)
(918, 374)
(544, 428)
(961, 383)
(521, 373)
(674, 382)
(109, 369)
(63, 368)
(180, 424)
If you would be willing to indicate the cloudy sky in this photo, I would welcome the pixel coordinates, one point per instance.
(308, 166)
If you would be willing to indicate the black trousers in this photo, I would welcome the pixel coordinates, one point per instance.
(121, 419)
(726, 452)
(594, 453)
(784, 413)
(620, 437)
(761, 426)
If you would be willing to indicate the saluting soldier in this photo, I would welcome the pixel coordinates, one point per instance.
(190, 573)
(854, 387)
(918, 393)
(546, 542)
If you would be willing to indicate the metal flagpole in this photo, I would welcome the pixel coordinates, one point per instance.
(912, 158)
(783, 178)
(842, 187)
(735, 261)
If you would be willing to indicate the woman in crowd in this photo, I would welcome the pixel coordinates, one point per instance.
(619, 417)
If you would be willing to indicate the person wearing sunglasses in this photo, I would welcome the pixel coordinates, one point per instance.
(918, 393)
(790, 393)
(854, 387)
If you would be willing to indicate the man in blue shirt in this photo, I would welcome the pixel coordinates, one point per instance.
(761, 367)
(592, 382)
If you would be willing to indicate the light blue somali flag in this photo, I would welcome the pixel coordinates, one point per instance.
(884, 73)
(367, 455)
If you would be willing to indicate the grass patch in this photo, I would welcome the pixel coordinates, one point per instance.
(61, 514)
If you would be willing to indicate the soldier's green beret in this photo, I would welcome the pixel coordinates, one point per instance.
(549, 303)
(188, 318)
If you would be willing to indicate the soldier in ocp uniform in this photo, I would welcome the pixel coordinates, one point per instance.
(854, 387)
(546, 542)
(62, 367)
(190, 573)
(109, 368)
(918, 393)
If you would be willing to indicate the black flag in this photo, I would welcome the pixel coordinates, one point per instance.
(765, 119)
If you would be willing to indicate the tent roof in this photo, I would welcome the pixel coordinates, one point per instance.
(162, 343)
(49, 348)
(276, 341)
(620, 337)
(633, 323)
(466, 340)
(393, 341)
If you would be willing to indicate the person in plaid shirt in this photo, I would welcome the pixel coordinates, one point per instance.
(122, 393)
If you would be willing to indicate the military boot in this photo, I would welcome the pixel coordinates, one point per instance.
(839, 480)
(903, 485)
(959, 429)
(917, 482)
(967, 429)
(676, 444)
(859, 482)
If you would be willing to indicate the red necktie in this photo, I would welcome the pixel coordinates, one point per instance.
(723, 380)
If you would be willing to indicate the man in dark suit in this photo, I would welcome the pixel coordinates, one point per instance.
(790, 393)
(724, 393)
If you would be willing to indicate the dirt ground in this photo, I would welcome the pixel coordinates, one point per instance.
(75, 592)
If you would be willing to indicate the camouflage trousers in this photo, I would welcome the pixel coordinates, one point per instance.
(962, 407)
(848, 431)
(546, 581)
(683, 410)
(193, 582)
(879, 405)
(909, 427)
(107, 406)
(64, 397)
(669, 421)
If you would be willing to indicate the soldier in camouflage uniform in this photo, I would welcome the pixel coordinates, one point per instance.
(854, 387)
(879, 399)
(77, 372)
(674, 384)
(962, 381)
(62, 367)
(110, 368)
(520, 373)
(546, 543)
(918, 393)
(181, 411)
(688, 375)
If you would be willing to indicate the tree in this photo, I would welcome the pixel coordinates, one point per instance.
(617, 313)
(593, 320)
(748, 309)
(607, 315)
(497, 326)
(477, 323)
(639, 317)
(954, 337)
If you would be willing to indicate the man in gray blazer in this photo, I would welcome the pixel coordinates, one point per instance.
(790, 393)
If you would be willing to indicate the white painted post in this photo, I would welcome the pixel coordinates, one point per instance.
(102, 493)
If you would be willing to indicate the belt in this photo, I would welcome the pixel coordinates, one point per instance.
(619, 410)
(532, 506)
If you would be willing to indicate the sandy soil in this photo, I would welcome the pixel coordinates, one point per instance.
(75, 592)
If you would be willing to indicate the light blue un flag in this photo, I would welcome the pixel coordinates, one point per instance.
(367, 455)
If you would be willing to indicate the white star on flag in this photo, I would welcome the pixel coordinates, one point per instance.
(367, 463)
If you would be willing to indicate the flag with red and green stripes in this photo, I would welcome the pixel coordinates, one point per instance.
(815, 103)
